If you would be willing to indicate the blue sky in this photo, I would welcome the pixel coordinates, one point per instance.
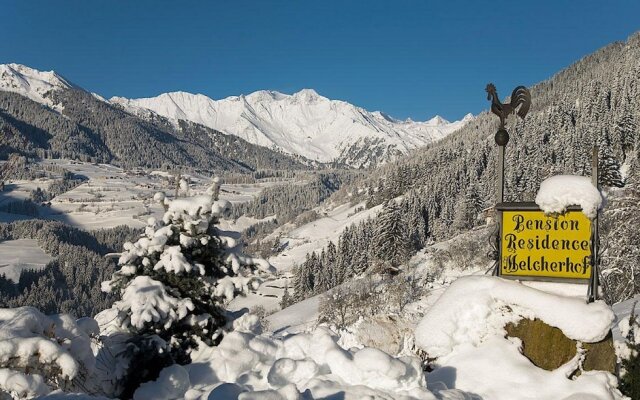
(406, 58)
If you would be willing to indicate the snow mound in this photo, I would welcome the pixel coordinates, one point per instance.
(473, 308)
(34, 346)
(561, 191)
(497, 370)
(464, 330)
(250, 366)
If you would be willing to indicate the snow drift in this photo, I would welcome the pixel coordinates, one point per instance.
(464, 330)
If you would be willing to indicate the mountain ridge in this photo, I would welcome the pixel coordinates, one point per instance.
(304, 123)
(43, 115)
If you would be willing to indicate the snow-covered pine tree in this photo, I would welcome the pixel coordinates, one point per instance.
(390, 241)
(174, 281)
(626, 130)
(609, 168)
(286, 300)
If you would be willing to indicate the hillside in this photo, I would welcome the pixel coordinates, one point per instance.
(443, 187)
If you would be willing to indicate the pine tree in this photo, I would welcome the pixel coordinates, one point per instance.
(390, 242)
(627, 130)
(42, 353)
(609, 170)
(286, 300)
(174, 281)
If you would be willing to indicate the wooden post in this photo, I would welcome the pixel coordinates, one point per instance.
(592, 293)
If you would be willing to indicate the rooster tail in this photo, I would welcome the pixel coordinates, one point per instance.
(521, 97)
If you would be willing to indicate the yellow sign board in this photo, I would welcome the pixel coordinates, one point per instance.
(534, 245)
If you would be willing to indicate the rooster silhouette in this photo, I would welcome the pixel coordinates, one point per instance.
(520, 97)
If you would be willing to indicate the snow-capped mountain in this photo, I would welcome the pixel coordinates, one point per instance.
(31, 83)
(304, 123)
(77, 124)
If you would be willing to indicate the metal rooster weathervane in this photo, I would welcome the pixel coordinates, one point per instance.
(519, 104)
(519, 98)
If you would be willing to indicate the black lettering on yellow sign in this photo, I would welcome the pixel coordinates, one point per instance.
(536, 245)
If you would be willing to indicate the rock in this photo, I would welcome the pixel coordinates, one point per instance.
(548, 348)
(384, 333)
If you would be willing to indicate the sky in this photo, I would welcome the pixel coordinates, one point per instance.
(409, 59)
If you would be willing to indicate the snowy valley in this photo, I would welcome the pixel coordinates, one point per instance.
(292, 247)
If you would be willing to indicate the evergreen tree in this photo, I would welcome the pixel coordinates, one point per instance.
(609, 169)
(174, 281)
(390, 242)
(286, 300)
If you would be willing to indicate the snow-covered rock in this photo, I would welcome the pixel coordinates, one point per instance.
(561, 191)
(465, 331)
(471, 309)
(304, 123)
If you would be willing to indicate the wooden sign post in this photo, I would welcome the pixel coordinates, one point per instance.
(530, 244)
(535, 246)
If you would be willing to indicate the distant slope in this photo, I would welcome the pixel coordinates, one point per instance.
(443, 188)
(43, 114)
(304, 123)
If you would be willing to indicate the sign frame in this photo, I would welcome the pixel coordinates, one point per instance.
(531, 206)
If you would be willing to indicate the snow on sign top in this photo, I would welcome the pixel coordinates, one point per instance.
(561, 191)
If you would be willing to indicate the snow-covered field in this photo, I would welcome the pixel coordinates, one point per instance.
(315, 235)
(21, 254)
(20, 189)
(113, 196)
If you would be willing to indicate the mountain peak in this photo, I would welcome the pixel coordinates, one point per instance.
(31, 83)
(437, 120)
(24, 74)
(266, 95)
(307, 94)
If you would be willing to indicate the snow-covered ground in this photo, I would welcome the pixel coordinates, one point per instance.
(623, 310)
(462, 327)
(21, 254)
(315, 235)
(298, 317)
(113, 196)
(21, 189)
(296, 244)
(458, 322)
